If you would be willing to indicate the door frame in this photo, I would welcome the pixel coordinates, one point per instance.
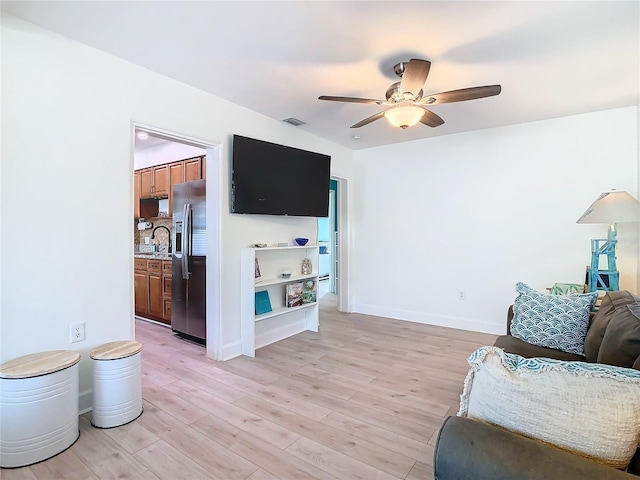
(214, 167)
(344, 241)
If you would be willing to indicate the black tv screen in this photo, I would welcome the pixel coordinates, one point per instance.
(273, 179)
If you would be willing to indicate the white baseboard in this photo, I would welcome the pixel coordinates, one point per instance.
(471, 324)
(231, 350)
(85, 401)
(280, 333)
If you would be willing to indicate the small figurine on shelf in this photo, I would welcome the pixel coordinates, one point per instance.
(306, 266)
(284, 272)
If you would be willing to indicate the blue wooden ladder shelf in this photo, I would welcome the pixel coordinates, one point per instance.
(597, 279)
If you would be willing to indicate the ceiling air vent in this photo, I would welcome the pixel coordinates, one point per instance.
(293, 121)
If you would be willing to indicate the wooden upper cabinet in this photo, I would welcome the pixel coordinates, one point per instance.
(154, 182)
(161, 180)
(146, 183)
(158, 182)
(204, 169)
(176, 175)
(193, 169)
(136, 194)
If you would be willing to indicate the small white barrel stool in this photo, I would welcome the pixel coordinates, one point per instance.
(38, 407)
(117, 383)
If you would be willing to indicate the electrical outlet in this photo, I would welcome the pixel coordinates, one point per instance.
(460, 295)
(147, 240)
(77, 332)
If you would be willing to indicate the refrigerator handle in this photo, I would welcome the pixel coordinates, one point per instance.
(186, 241)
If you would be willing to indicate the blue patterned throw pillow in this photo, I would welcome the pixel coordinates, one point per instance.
(553, 321)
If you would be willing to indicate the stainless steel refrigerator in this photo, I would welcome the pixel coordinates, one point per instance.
(188, 274)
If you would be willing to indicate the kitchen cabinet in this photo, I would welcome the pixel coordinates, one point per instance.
(136, 194)
(166, 289)
(154, 182)
(158, 182)
(193, 169)
(146, 182)
(281, 321)
(141, 292)
(176, 175)
(152, 283)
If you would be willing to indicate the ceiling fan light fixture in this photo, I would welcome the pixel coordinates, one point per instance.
(404, 115)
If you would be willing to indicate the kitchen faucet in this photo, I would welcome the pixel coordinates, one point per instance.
(153, 235)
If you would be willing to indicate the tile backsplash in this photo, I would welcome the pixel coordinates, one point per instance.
(161, 236)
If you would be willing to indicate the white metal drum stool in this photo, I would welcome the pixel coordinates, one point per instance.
(38, 407)
(117, 383)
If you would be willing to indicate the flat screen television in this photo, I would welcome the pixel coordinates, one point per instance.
(273, 179)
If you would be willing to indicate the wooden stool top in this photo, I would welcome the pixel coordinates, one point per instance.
(116, 350)
(36, 364)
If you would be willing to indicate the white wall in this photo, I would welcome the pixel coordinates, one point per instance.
(67, 113)
(477, 212)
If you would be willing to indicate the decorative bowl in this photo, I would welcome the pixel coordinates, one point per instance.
(301, 241)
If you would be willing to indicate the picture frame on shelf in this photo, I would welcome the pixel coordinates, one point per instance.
(257, 270)
(309, 291)
(293, 294)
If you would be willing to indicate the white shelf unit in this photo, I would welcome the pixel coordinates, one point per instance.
(282, 321)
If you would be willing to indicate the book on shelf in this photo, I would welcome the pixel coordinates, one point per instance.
(293, 294)
(309, 291)
(263, 304)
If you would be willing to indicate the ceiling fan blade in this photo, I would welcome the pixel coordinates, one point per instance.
(350, 99)
(431, 119)
(463, 94)
(368, 120)
(414, 76)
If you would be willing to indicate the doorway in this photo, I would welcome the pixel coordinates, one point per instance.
(329, 243)
(164, 147)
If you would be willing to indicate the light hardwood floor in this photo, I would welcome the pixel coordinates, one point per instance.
(362, 399)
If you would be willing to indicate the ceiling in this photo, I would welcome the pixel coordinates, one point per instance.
(552, 58)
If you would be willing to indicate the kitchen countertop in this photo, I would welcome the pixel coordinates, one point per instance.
(153, 255)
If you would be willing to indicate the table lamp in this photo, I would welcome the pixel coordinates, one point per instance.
(610, 208)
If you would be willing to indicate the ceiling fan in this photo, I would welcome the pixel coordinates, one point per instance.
(407, 100)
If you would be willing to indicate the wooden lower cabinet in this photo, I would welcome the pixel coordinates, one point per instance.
(141, 292)
(166, 289)
(156, 305)
(152, 286)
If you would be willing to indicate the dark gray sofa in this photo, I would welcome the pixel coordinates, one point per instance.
(470, 449)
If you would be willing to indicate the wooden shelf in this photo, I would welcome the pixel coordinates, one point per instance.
(282, 310)
(278, 280)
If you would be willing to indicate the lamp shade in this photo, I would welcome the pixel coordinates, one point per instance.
(612, 207)
(404, 115)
